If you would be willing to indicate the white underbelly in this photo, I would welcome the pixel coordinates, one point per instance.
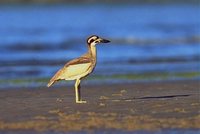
(73, 72)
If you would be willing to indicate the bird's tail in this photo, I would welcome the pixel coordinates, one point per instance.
(55, 78)
(51, 82)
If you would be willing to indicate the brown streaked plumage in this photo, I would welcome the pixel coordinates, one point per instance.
(79, 68)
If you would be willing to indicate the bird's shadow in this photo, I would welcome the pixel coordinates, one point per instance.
(162, 97)
(155, 97)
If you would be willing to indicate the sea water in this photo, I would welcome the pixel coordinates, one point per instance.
(37, 40)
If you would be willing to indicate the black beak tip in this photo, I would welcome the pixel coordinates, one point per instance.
(105, 41)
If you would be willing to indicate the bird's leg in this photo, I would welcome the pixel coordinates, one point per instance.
(78, 92)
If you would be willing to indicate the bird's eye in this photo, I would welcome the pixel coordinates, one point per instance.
(91, 41)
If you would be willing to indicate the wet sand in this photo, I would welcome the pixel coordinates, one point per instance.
(128, 107)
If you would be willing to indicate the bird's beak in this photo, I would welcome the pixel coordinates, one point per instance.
(103, 40)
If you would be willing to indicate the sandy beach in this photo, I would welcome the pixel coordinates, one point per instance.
(147, 106)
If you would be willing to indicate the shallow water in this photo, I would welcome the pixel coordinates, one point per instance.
(35, 41)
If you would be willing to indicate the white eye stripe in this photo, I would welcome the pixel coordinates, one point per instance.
(92, 39)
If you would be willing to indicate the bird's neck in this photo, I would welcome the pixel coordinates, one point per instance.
(92, 51)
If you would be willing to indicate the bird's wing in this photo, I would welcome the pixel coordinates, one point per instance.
(81, 60)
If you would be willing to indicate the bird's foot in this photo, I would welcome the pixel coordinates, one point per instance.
(81, 101)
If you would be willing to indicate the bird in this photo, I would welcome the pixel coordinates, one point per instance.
(79, 68)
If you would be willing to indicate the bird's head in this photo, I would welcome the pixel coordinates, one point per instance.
(93, 40)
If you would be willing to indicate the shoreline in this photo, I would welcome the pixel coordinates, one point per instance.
(102, 79)
(127, 107)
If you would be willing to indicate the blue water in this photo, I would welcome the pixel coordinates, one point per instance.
(35, 41)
